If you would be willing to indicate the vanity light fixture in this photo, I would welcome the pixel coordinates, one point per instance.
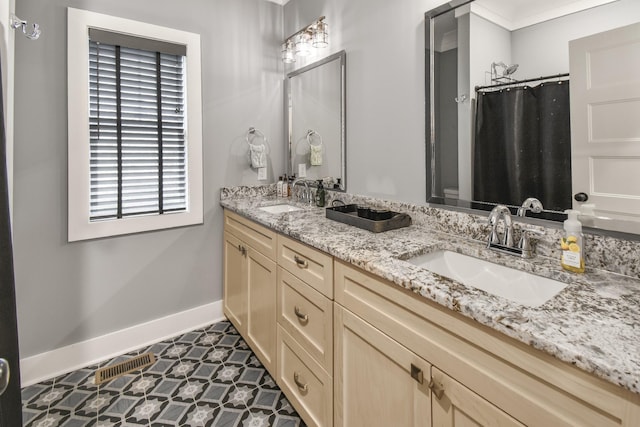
(288, 52)
(302, 41)
(303, 44)
(320, 34)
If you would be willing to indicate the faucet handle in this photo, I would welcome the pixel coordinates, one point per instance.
(525, 241)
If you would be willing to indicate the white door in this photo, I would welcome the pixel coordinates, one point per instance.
(605, 122)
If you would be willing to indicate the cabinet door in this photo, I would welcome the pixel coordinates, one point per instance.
(377, 381)
(261, 314)
(455, 405)
(235, 283)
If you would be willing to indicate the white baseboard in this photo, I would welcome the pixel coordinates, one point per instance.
(50, 364)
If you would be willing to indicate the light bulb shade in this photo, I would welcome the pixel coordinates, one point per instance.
(303, 44)
(288, 52)
(320, 34)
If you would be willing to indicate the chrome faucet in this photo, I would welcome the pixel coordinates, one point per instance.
(531, 204)
(501, 211)
(524, 248)
(306, 193)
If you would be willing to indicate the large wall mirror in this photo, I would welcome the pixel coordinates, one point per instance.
(514, 105)
(315, 112)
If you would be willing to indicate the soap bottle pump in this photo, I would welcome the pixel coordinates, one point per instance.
(572, 244)
(279, 187)
(320, 194)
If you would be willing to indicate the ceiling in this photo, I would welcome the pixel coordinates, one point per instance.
(514, 14)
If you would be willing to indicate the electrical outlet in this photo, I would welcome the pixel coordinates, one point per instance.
(302, 170)
(262, 174)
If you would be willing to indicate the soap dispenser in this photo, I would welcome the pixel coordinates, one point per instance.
(572, 244)
(279, 187)
(320, 194)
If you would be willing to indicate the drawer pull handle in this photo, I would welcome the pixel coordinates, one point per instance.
(242, 250)
(416, 373)
(436, 389)
(302, 317)
(303, 387)
(302, 263)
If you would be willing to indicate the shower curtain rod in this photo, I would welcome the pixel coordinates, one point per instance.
(517, 82)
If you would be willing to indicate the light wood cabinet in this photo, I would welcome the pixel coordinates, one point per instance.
(261, 313)
(306, 384)
(485, 375)
(454, 405)
(250, 284)
(234, 283)
(312, 266)
(307, 316)
(305, 330)
(379, 382)
(381, 355)
(374, 386)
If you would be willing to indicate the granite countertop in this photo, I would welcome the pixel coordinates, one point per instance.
(594, 323)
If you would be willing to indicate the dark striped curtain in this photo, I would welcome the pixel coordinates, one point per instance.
(522, 146)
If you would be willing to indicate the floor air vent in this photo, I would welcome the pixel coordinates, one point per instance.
(114, 371)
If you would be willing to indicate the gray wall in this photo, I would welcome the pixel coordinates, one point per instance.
(543, 49)
(384, 41)
(67, 293)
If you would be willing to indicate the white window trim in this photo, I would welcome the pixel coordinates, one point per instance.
(79, 226)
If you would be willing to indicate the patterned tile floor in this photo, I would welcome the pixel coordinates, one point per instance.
(207, 377)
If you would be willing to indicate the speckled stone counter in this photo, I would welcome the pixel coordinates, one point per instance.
(594, 323)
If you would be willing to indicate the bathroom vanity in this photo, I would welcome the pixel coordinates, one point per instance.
(356, 335)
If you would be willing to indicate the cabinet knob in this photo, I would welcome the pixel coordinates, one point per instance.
(302, 263)
(303, 317)
(302, 386)
(436, 389)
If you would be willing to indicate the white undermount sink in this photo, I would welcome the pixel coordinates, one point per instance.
(281, 208)
(515, 285)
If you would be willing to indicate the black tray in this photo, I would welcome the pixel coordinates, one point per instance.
(348, 214)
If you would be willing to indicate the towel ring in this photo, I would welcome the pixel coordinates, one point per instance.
(310, 133)
(254, 131)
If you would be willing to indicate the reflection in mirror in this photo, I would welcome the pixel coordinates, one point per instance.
(501, 116)
(315, 97)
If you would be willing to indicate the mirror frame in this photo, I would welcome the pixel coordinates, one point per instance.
(430, 115)
(341, 56)
(551, 219)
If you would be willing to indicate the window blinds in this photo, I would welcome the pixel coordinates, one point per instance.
(137, 131)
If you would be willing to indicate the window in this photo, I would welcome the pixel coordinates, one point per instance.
(135, 144)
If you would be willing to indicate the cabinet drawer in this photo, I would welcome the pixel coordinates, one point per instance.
(307, 316)
(258, 237)
(307, 386)
(310, 265)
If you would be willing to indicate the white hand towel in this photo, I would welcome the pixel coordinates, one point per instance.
(257, 156)
(315, 155)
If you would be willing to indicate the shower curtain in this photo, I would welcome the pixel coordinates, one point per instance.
(522, 146)
(10, 400)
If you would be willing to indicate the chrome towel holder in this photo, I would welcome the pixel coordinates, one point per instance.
(15, 23)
